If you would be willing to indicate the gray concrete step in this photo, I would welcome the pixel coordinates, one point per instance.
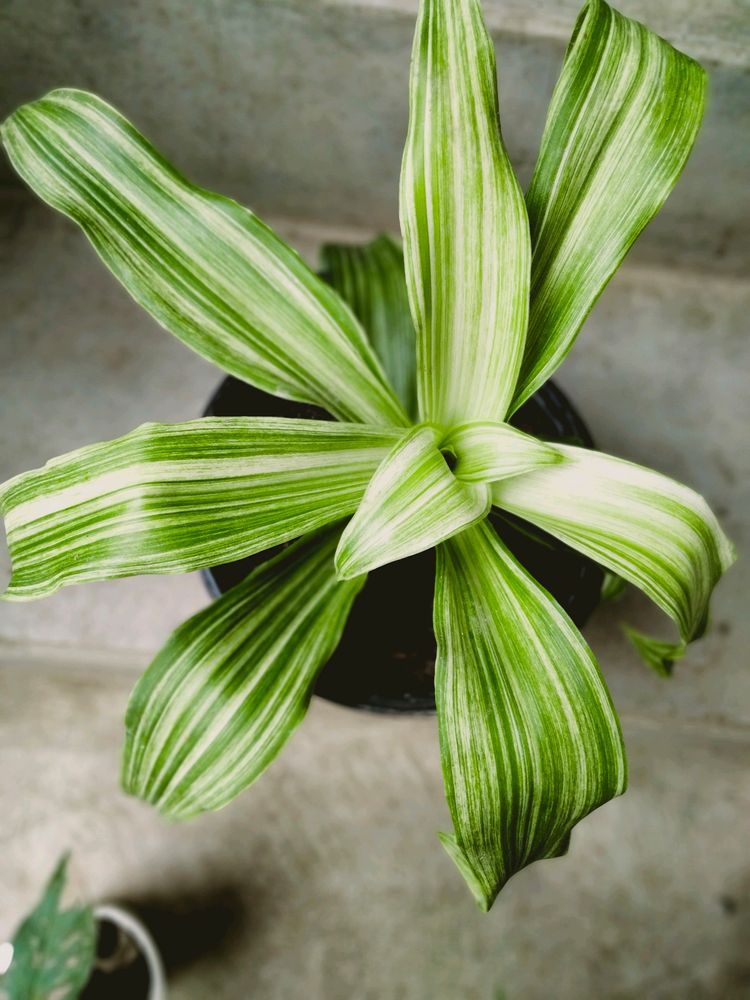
(329, 882)
(299, 107)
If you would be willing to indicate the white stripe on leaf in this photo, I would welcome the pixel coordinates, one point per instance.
(232, 683)
(622, 122)
(463, 219)
(489, 450)
(529, 739)
(652, 531)
(205, 267)
(169, 498)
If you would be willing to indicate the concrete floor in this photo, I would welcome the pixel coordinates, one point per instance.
(326, 881)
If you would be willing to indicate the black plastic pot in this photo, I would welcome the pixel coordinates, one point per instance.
(386, 658)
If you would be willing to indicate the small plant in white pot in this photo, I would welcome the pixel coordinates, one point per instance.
(483, 307)
(99, 952)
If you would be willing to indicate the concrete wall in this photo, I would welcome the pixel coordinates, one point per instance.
(299, 107)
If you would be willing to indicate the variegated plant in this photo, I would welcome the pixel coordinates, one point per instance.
(420, 356)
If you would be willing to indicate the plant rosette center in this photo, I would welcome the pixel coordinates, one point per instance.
(433, 484)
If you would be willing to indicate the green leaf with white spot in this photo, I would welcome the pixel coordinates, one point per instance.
(205, 267)
(53, 949)
(530, 742)
(463, 219)
(168, 498)
(412, 502)
(622, 122)
(490, 450)
(370, 278)
(232, 683)
(652, 531)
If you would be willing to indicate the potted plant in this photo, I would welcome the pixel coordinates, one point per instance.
(421, 454)
(87, 952)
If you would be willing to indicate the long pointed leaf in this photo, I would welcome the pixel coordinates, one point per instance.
(412, 502)
(205, 267)
(168, 498)
(489, 450)
(464, 224)
(529, 739)
(647, 528)
(232, 683)
(620, 127)
(370, 278)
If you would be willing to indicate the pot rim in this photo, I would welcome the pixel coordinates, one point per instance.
(142, 938)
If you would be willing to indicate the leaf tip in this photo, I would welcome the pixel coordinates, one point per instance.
(21, 116)
(728, 554)
(345, 560)
(482, 893)
(12, 596)
(344, 569)
(660, 656)
(168, 809)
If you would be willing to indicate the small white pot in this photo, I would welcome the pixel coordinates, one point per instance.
(139, 934)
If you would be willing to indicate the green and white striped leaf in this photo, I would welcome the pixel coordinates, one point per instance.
(620, 127)
(659, 655)
(652, 531)
(53, 949)
(463, 219)
(489, 450)
(232, 683)
(205, 267)
(412, 503)
(168, 498)
(613, 587)
(529, 739)
(370, 278)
